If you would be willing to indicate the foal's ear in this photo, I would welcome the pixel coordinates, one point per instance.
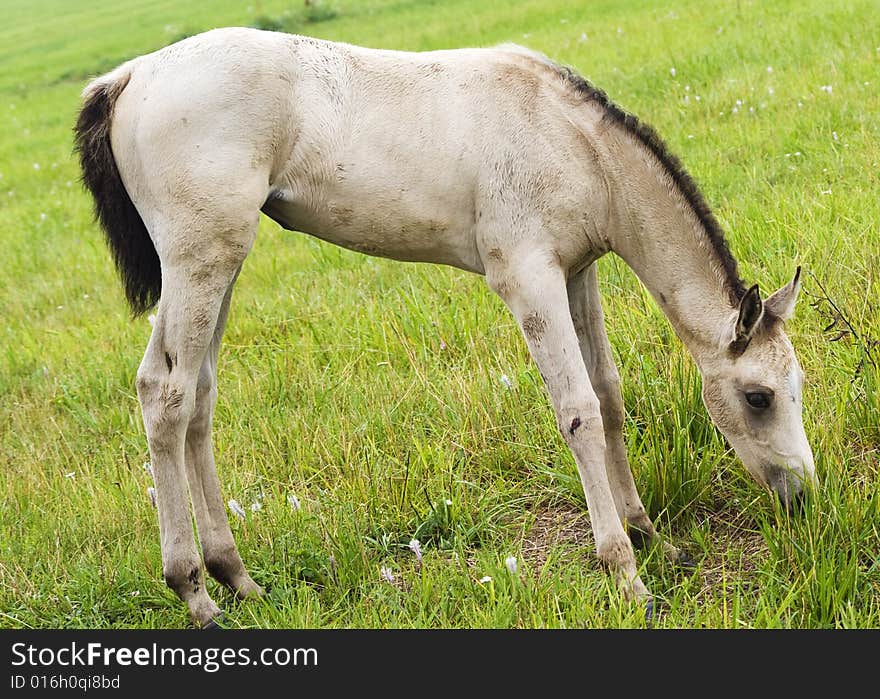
(751, 309)
(781, 304)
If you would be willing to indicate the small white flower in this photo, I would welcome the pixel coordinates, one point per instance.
(800, 104)
(386, 574)
(152, 319)
(256, 506)
(697, 97)
(769, 90)
(687, 99)
(42, 217)
(442, 345)
(148, 467)
(510, 562)
(687, 88)
(295, 504)
(36, 166)
(751, 110)
(834, 135)
(416, 548)
(70, 475)
(826, 191)
(135, 593)
(797, 154)
(485, 579)
(236, 508)
(583, 37)
(734, 110)
(151, 493)
(690, 136)
(505, 380)
(739, 103)
(448, 503)
(672, 72)
(827, 88)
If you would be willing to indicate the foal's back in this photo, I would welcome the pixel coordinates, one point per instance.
(416, 156)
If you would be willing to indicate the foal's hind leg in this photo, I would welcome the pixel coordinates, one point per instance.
(218, 547)
(199, 262)
(585, 304)
(534, 288)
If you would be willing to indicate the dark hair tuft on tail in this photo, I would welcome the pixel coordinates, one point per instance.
(133, 250)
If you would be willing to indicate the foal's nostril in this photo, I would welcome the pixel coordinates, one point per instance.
(787, 486)
(790, 496)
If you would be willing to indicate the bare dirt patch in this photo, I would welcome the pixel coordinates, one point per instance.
(560, 525)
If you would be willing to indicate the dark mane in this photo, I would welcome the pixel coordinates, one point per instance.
(685, 183)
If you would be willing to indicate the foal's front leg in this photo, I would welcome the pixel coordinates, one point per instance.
(585, 304)
(535, 291)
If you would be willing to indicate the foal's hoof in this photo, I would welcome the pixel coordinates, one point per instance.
(215, 623)
(649, 612)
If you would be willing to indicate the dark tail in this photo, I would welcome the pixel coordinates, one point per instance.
(130, 244)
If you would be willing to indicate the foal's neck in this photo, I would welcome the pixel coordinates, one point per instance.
(661, 237)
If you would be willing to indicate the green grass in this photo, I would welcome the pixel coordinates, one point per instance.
(370, 389)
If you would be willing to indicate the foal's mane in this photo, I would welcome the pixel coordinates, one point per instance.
(651, 140)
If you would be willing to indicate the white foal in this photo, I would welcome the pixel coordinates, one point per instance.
(496, 161)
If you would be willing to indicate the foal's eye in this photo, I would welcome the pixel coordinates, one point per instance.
(758, 400)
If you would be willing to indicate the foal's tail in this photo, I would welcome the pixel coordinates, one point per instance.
(130, 244)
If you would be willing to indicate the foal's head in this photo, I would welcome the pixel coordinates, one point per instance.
(752, 389)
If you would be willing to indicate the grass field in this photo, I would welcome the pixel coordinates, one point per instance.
(370, 390)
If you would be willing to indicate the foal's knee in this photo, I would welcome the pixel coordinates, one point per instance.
(578, 421)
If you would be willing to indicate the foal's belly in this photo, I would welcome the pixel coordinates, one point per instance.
(397, 223)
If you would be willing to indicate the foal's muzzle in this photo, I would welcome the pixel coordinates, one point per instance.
(788, 485)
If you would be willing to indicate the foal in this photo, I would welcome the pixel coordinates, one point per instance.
(496, 161)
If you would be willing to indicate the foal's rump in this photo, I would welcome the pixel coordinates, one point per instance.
(173, 141)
